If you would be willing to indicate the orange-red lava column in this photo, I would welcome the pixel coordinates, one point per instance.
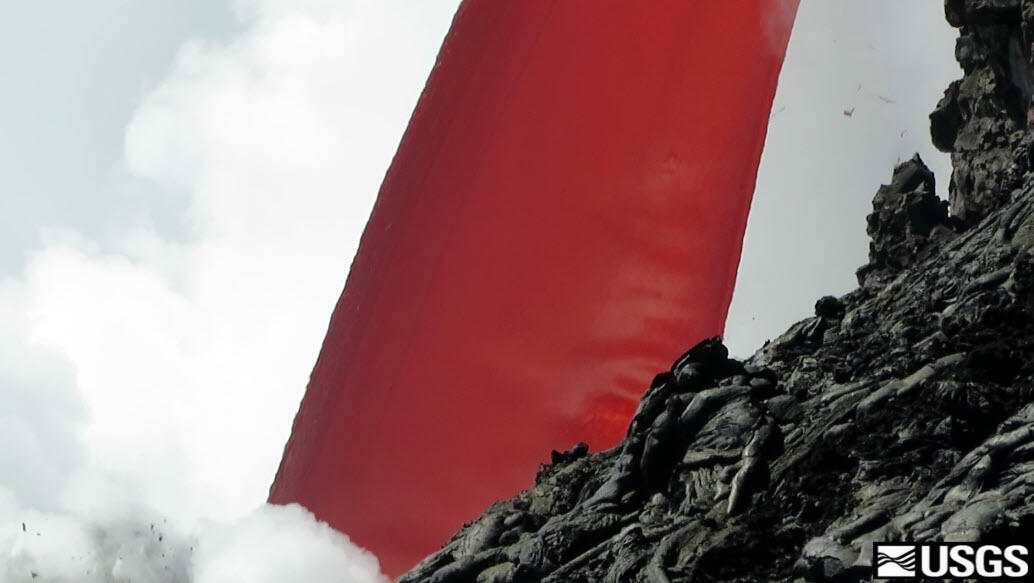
(563, 217)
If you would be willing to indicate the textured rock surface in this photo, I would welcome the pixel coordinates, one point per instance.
(982, 117)
(901, 411)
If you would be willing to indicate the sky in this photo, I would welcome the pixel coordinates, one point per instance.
(859, 80)
(183, 185)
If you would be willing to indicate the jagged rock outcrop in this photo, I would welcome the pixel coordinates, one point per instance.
(982, 117)
(903, 410)
(908, 221)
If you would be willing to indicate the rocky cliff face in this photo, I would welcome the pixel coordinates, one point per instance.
(901, 411)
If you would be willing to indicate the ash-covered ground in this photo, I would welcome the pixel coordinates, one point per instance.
(903, 410)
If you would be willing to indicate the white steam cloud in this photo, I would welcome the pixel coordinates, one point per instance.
(270, 544)
(148, 389)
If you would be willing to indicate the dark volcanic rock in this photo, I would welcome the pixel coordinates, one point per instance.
(908, 221)
(983, 116)
(902, 411)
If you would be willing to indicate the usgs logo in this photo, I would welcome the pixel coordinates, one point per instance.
(900, 560)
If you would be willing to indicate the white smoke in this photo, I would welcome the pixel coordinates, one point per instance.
(271, 544)
(148, 390)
